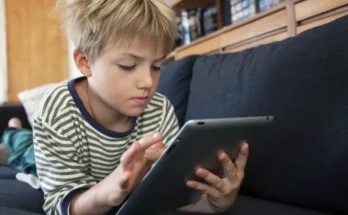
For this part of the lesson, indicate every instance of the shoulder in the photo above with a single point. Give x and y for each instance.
(157, 109)
(53, 102)
(161, 105)
(160, 102)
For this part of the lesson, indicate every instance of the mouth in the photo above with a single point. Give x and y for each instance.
(140, 100)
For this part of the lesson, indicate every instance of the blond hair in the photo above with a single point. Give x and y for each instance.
(93, 25)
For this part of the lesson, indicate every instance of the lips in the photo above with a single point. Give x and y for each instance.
(140, 100)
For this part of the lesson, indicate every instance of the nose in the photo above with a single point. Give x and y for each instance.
(145, 80)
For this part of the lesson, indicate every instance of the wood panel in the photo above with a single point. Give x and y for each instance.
(37, 49)
(207, 46)
(291, 19)
(262, 41)
(310, 8)
(261, 26)
(190, 4)
(320, 22)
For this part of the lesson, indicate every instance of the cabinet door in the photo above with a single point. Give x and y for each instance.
(36, 45)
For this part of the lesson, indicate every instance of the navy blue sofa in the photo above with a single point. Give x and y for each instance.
(301, 165)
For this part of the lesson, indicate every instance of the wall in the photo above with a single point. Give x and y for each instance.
(3, 54)
(36, 46)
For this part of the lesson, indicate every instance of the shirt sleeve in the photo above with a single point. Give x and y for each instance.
(60, 166)
(169, 127)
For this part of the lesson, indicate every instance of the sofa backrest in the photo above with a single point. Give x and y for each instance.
(303, 83)
(175, 82)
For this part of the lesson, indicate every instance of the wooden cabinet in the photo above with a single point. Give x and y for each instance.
(264, 25)
(310, 8)
(205, 46)
(36, 47)
(283, 21)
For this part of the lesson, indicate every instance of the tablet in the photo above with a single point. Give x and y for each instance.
(196, 144)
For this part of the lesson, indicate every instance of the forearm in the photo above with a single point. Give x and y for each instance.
(202, 206)
(89, 202)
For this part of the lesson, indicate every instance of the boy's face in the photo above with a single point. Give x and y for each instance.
(125, 77)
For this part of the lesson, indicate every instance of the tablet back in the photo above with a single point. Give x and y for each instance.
(196, 144)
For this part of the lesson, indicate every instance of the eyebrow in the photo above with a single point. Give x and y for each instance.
(141, 58)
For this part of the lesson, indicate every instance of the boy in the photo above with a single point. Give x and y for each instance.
(96, 137)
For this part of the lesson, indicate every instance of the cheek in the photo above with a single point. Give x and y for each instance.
(155, 78)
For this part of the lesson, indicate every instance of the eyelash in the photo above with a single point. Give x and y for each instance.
(130, 68)
(156, 68)
(127, 68)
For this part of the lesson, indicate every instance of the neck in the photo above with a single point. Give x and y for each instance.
(108, 117)
(104, 114)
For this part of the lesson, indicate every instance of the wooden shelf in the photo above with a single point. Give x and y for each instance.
(238, 24)
(190, 4)
(281, 22)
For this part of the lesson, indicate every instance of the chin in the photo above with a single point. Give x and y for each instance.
(135, 112)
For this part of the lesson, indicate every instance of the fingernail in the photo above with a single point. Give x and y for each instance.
(222, 156)
(200, 172)
(155, 136)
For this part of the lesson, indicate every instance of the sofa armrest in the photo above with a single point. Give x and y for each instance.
(9, 111)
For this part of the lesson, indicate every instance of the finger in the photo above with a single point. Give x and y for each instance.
(212, 179)
(129, 155)
(242, 160)
(150, 140)
(153, 154)
(158, 145)
(229, 168)
(209, 190)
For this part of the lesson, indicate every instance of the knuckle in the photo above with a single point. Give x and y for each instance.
(227, 192)
(231, 169)
(220, 184)
(233, 187)
(203, 188)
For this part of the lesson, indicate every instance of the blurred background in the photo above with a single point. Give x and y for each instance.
(35, 52)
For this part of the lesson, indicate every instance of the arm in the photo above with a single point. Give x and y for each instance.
(202, 206)
(62, 174)
(68, 187)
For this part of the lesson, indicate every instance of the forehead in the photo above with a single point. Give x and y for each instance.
(141, 45)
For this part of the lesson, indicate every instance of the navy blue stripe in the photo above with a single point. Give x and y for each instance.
(90, 119)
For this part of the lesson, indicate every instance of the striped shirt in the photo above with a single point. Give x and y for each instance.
(72, 150)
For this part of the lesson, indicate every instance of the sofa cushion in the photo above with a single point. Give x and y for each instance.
(19, 195)
(246, 205)
(6, 172)
(31, 99)
(14, 211)
(175, 84)
(303, 83)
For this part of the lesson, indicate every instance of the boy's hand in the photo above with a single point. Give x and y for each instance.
(134, 165)
(221, 192)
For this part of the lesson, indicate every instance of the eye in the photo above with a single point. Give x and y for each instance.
(127, 68)
(156, 68)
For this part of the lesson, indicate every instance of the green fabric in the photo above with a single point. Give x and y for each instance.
(19, 141)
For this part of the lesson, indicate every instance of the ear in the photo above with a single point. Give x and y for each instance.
(81, 62)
